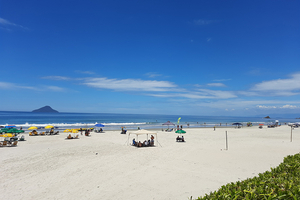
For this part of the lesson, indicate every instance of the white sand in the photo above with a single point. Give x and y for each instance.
(104, 167)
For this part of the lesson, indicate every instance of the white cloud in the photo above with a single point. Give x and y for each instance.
(222, 80)
(56, 78)
(217, 94)
(6, 85)
(55, 88)
(129, 84)
(279, 87)
(216, 85)
(287, 106)
(5, 22)
(152, 74)
(201, 22)
(265, 107)
(85, 72)
(12, 86)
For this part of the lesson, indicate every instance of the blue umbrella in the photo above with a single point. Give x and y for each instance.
(10, 126)
(99, 125)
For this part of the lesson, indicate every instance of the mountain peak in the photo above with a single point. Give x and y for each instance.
(45, 109)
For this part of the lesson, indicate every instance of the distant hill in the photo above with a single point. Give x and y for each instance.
(45, 109)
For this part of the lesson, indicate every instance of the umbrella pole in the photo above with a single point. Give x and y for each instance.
(291, 133)
(226, 142)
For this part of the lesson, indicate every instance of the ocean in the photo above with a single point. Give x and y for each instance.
(116, 121)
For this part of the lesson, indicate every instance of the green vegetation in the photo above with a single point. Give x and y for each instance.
(282, 182)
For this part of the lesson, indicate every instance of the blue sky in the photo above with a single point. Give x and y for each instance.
(194, 57)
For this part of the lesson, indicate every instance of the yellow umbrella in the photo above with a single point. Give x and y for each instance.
(7, 135)
(32, 128)
(49, 127)
(74, 131)
(68, 130)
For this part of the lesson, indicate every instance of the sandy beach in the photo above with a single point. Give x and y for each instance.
(103, 166)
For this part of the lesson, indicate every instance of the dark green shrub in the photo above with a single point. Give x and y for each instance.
(282, 182)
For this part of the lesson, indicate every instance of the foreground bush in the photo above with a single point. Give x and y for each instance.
(282, 182)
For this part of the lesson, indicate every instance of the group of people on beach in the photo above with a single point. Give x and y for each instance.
(146, 143)
(51, 132)
(180, 139)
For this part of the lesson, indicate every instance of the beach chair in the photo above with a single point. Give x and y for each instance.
(22, 138)
(30, 133)
(4, 143)
(14, 144)
(42, 133)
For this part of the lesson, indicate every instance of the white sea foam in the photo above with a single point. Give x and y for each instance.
(75, 124)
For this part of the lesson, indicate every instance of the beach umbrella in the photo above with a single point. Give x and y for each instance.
(168, 123)
(32, 128)
(49, 127)
(237, 124)
(180, 131)
(14, 130)
(7, 135)
(10, 126)
(99, 125)
(68, 131)
(4, 130)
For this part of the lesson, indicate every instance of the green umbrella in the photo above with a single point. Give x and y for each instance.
(4, 130)
(14, 130)
(180, 131)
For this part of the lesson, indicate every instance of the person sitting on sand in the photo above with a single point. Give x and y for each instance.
(182, 139)
(51, 131)
(69, 137)
(152, 142)
(101, 129)
(178, 138)
(139, 144)
(133, 142)
(145, 143)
